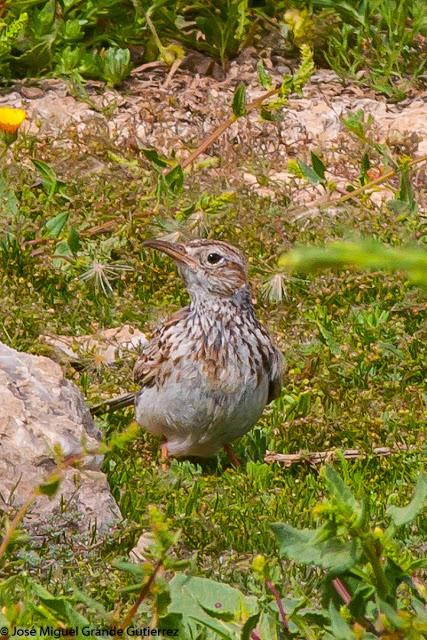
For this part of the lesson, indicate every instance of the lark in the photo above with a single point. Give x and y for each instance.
(211, 368)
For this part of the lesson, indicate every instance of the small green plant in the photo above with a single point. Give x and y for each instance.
(362, 255)
(380, 42)
(89, 39)
(95, 39)
(369, 587)
(220, 28)
(314, 174)
(9, 33)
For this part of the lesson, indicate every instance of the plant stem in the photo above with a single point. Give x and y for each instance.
(345, 596)
(216, 133)
(357, 192)
(154, 33)
(282, 614)
(19, 516)
(375, 562)
(342, 591)
(143, 594)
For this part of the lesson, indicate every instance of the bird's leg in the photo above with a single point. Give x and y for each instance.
(164, 455)
(232, 456)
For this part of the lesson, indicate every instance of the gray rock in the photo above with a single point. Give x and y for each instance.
(138, 554)
(40, 410)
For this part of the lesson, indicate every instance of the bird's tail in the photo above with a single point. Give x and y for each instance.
(108, 406)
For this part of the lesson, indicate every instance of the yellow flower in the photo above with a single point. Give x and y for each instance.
(11, 119)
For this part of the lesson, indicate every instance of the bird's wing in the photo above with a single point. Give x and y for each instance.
(275, 375)
(272, 363)
(146, 367)
(154, 357)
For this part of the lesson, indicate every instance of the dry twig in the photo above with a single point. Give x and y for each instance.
(334, 202)
(317, 457)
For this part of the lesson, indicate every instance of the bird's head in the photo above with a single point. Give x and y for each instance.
(209, 267)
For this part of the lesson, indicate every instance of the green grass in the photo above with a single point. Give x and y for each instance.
(379, 42)
(354, 346)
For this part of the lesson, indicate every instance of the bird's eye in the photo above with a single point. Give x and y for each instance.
(214, 258)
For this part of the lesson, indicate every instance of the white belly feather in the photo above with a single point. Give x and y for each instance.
(197, 419)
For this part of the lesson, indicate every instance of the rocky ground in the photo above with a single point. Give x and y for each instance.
(174, 114)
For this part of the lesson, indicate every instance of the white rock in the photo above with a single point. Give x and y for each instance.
(139, 553)
(41, 409)
(106, 346)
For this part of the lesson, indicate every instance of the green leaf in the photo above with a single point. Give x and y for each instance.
(122, 439)
(355, 123)
(121, 160)
(73, 30)
(339, 627)
(398, 206)
(89, 602)
(8, 200)
(404, 515)
(116, 65)
(308, 173)
(365, 165)
(364, 255)
(162, 188)
(420, 610)
(249, 626)
(175, 179)
(302, 546)
(129, 567)
(48, 175)
(302, 74)
(62, 255)
(12, 203)
(239, 101)
(155, 158)
(54, 226)
(242, 19)
(318, 166)
(69, 60)
(330, 341)
(211, 604)
(263, 77)
(59, 606)
(50, 488)
(342, 494)
(90, 64)
(73, 240)
(170, 183)
(392, 615)
(406, 192)
(270, 115)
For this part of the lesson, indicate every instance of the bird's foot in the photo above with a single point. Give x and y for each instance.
(164, 456)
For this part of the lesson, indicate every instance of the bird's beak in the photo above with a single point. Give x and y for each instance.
(175, 251)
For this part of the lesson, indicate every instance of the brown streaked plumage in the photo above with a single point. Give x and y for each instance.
(211, 368)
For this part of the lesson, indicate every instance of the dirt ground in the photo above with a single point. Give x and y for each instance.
(174, 114)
